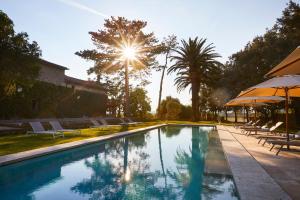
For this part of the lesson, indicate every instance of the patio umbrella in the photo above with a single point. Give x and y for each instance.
(286, 86)
(254, 101)
(289, 66)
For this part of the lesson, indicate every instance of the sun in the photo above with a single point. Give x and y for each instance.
(129, 53)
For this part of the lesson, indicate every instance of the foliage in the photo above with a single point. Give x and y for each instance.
(170, 109)
(186, 113)
(248, 66)
(48, 100)
(18, 58)
(118, 36)
(195, 64)
(139, 103)
(168, 44)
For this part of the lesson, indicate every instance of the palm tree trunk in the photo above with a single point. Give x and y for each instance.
(195, 99)
(161, 83)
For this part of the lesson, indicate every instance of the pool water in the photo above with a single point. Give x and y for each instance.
(163, 163)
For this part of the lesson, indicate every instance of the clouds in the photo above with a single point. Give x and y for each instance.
(82, 7)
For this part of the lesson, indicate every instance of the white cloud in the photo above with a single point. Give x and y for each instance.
(83, 7)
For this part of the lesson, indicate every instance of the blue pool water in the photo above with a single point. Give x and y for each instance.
(164, 163)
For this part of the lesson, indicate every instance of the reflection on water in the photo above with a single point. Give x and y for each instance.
(166, 163)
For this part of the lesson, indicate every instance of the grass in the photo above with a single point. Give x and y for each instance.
(13, 143)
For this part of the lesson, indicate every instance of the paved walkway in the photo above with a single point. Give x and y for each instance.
(259, 173)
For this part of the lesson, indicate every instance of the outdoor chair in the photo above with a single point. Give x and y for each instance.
(251, 126)
(57, 127)
(244, 125)
(96, 124)
(130, 122)
(103, 121)
(37, 128)
(282, 143)
(265, 129)
(277, 137)
(248, 130)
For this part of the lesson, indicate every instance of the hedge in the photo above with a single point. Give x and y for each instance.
(48, 100)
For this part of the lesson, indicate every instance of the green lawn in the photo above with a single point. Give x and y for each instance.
(13, 143)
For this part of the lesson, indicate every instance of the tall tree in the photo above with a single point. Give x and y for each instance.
(18, 58)
(248, 66)
(121, 44)
(194, 63)
(168, 44)
(140, 103)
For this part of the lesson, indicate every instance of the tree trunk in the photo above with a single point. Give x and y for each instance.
(235, 116)
(195, 99)
(161, 83)
(127, 103)
(226, 115)
(161, 158)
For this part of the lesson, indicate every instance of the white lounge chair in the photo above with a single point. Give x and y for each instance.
(283, 143)
(266, 130)
(37, 128)
(277, 137)
(130, 122)
(57, 127)
(103, 125)
(96, 124)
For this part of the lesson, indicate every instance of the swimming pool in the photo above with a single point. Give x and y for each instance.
(171, 162)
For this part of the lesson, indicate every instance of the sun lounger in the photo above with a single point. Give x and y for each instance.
(265, 130)
(244, 125)
(253, 125)
(277, 137)
(130, 122)
(57, 127)
(248, 130)
(37, 128)
(133, 122)
(96, 124)
(283, 143)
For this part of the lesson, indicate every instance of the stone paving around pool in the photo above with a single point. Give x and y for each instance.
(258, 172)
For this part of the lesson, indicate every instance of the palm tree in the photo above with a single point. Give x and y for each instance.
(193, 63)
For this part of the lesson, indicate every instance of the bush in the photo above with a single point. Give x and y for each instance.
(48, 100)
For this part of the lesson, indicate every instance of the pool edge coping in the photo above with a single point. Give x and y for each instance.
(34, 153)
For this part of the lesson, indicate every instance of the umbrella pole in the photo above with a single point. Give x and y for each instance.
(287, 115)
(244, 114)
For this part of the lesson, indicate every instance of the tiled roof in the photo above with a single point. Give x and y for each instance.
(45, 62)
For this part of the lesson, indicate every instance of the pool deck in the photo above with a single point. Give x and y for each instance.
(17, 157)
(258, 172)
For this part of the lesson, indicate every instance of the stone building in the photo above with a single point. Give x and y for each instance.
(88, 90)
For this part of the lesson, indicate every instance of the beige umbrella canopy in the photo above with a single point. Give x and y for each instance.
(287, 86)
(254, 101)
(289, 66)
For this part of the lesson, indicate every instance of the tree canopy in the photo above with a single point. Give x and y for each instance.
(18, 58)
(248, 66)
(195, 65)
(118, 34)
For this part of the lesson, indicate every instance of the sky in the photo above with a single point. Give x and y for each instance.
(61, 27)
